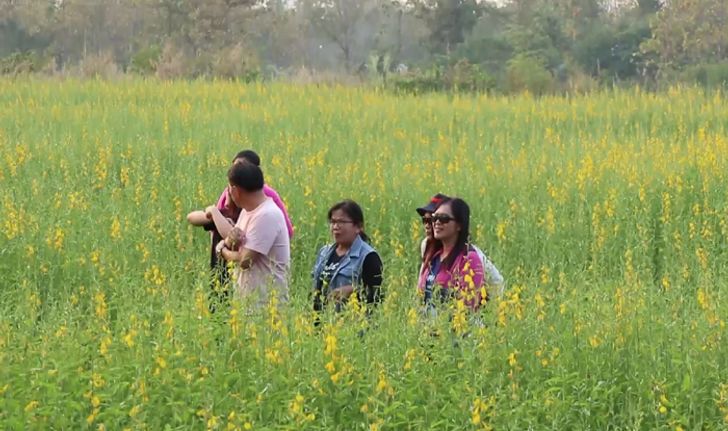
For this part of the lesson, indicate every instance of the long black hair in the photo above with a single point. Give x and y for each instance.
(355, 213)
(461, 214)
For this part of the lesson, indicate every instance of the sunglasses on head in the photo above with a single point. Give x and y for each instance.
(442, 218)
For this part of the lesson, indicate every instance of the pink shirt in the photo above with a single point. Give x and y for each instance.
(264, 231)
(466, 278)
(268, 191)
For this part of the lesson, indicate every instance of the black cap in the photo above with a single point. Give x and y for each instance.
(431, 206)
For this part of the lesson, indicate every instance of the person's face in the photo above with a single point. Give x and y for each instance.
(444, 226)
(237, 194)
(230, 202)
(427, 224)
(343, 228)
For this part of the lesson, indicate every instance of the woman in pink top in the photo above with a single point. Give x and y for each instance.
(452, 268)
(250, 156)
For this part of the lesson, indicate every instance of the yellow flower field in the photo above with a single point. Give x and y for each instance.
(607, 214)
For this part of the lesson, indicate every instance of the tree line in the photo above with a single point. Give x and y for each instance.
(413, 45)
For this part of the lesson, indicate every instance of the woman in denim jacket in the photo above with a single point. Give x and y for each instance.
(348, 266)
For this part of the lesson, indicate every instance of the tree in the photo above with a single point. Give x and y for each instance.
(352, 25)
(688, 32)
(488, 44)
(219, 23)
(449, 22)
(541, 37)
(611, 50)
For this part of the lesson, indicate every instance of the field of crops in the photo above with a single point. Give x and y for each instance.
(607, 214)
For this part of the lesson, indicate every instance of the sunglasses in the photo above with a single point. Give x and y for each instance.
(442, 218)
(426, 220)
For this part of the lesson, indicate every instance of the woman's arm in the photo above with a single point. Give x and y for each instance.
(372, 278)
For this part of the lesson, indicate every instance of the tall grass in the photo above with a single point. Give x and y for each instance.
(607, 214)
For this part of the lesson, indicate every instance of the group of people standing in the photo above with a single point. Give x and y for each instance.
(251, 235)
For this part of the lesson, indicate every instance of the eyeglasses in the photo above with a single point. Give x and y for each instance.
(426, 220)
(442, 218)
(335, 222)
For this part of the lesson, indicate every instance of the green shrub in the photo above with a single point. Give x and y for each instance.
(145, 61)
(526, 73)
(21, 63)
(459, 77)
(710, 75)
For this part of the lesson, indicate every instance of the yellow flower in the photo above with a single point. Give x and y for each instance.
(594, 341)
(382, 384)
(212, 423)
(273, 356)
(135, 411)
(104, 346)
(100, 301)
(115, 229)
(512, 360)
(330, 345)
(459, 320)
(92, 417)
(129, 338)
(412, 317)
(57, 240)
(97, 381)
(31, 406)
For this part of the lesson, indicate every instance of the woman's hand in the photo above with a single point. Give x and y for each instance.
(341, 293)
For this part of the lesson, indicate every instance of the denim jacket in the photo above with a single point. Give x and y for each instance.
(350, 267)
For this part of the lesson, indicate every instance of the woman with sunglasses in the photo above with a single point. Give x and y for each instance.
(451, 267)
(348, 266)
(493, 279)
